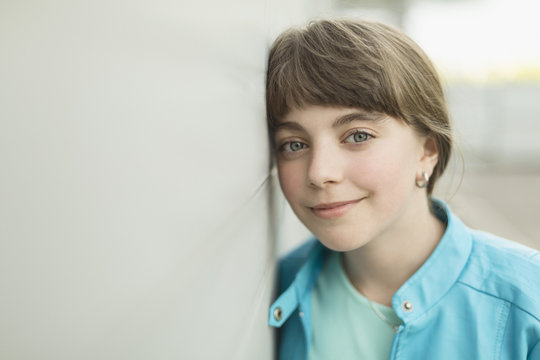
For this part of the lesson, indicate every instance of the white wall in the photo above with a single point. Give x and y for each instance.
(134, 201)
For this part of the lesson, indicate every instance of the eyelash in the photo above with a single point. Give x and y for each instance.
(355, 132)
(282, 147)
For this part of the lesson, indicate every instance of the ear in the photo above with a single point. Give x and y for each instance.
(429, 156)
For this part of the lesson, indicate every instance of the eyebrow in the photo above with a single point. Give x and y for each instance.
(291, 125)
(340, 121)
(358, 115)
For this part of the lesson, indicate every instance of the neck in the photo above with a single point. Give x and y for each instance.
(378, 269)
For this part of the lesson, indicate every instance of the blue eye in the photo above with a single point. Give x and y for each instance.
(358, 137)
(293, 146)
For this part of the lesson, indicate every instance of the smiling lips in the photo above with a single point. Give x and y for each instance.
(333, 210)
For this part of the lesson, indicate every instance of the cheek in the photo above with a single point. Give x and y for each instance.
(391, 172)
(290, 179)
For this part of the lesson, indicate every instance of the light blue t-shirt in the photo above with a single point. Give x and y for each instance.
(344, 323)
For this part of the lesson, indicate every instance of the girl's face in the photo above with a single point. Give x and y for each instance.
(349, 175)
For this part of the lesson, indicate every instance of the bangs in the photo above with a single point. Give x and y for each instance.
(300, 73)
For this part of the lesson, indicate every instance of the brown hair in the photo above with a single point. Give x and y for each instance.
(358, 64)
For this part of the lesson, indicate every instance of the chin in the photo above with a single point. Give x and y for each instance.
(340, 244)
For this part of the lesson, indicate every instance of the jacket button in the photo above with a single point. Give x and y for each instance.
(407, 306)
(278, 313)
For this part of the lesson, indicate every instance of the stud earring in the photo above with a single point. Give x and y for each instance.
(423, 183)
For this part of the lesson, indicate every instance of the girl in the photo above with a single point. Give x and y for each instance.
(361, 134)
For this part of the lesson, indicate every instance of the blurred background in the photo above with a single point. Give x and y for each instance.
(138, 215)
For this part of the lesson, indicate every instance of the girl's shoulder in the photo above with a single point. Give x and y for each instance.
(504, 269)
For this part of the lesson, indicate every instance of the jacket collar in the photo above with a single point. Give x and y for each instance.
(301, 287)
(440, 271)
(418, 294)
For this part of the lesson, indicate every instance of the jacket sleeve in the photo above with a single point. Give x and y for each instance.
(534, 354)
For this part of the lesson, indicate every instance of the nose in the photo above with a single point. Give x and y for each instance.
(325, 167)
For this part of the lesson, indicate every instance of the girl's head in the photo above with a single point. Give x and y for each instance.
(358, 64)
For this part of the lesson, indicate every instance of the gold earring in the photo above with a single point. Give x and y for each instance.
(423, 183)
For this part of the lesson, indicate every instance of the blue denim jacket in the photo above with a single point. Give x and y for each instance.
(476, 297)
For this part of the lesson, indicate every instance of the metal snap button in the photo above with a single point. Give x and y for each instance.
(278, 313)
(407, 306)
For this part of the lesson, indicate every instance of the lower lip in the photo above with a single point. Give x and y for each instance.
(334, 212)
